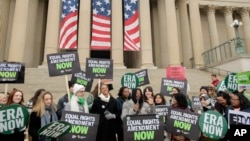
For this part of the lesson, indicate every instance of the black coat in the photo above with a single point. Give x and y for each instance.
(34, 126)
(107, 128)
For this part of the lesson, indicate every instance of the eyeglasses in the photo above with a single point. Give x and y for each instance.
(81, 91)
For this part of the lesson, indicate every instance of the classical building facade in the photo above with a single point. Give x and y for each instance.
(172, 32)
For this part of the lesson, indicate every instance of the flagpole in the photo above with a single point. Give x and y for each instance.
(6, 89)
(67, 86)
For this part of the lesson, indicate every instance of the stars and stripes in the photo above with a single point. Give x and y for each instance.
(101, 35)
(131, 26)
(68, 24)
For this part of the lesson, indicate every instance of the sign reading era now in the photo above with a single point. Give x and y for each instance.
(13, 117)
(129, 80)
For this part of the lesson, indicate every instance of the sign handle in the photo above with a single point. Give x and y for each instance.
(99, 85)
(6, 89)
(67, 87)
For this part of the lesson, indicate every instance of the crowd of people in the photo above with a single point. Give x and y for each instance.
(112, 111)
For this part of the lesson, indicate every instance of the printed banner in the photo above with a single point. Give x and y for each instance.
(80, 78)
(176, 73)
(182, 122)
(213, 124)
(13, 117)
(221, 86)
(196, 104)
(12, 72)
(83, 126)
(143, 128)
(142, 77)
(54, 129)
(99, 68)
(130, 80)
(63, 63)
(162, 110)
(238, 118)
(167, 85)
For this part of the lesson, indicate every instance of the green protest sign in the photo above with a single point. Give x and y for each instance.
(231, 82)
(13, 117)
(221, 86)
(142, 77)
(243, 79)
(55, 129)
(130, 80)
(213, 124)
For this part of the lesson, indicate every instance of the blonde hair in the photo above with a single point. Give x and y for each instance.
(39, 107)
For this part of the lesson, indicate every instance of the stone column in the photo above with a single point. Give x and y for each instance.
(84, 27)
(117, 34)
(185, 34)
(163, 33)
(4, 18)
(156, 35)
(52, 29)
(19, 31)
(172, 34)
(145, 34)
(213, 31)
(228, 11)
(246, 27)
(212, 26)
(196, 32)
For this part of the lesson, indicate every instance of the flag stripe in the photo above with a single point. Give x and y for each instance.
(131, 26)
(69, 24)
(101, 25)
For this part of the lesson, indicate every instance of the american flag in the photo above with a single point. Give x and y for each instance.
(131, 26)
(101, 38)
(68, 25)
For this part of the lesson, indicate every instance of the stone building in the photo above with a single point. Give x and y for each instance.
(172, 32)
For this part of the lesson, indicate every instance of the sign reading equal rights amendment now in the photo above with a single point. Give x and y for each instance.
(12, 72)
(63, 63)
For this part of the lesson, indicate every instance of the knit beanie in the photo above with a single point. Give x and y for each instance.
(77, 87)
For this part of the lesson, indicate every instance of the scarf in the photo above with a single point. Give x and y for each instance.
(103, 98)
(48, 117)
(78, 104)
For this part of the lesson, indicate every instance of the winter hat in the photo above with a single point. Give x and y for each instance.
(77, 87)
(206, 98)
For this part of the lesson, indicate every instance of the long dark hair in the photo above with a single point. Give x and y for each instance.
(244, 102)
(162, 97)
(224, 95)
(149, 88)
(120, 93)
(181, 100)
(36, 95)
(140, 101)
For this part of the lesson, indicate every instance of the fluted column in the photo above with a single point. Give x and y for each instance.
(84, 30)
(212, 26)
(228, 13)
(246, 26)
(163, 33)
(19, 31)
(185, 34)
(145, 34)
(52, 29)
(4, 17)
(117, 34)
(172, 34)
(196, 32)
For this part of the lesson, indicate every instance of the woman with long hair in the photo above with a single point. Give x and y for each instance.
(43, 113)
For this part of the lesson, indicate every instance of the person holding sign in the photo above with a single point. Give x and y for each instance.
(136, 105)
(179, 101)
(106, 106)
(78, 101)
(16, 97)
(43, 113)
